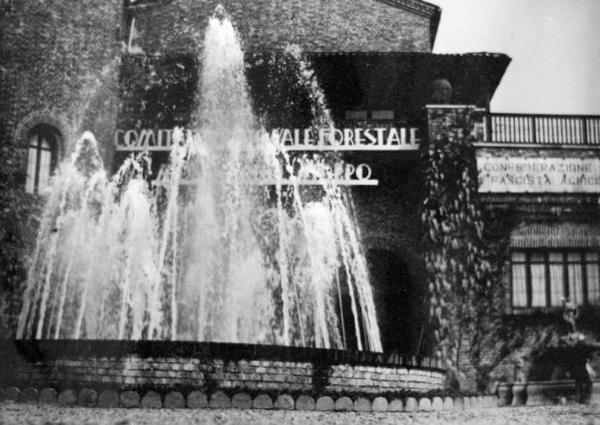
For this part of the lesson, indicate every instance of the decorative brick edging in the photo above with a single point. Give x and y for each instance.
(132, 374)
(219, 400)
(210, 367)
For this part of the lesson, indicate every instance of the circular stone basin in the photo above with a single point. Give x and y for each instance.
(164, 366)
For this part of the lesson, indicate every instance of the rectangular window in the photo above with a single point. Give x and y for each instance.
(575, 271)
(557, 278)
(519, 279)
(45, 167)
(31, 169)
(592, 271)
(538, 280)
(543, 278)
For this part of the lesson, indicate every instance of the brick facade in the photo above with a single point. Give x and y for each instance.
(59, 70)
(316, 26)
(63, 71)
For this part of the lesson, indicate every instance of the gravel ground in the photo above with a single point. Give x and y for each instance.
(43, 415)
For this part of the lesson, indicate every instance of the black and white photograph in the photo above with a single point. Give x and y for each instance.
(247, 212)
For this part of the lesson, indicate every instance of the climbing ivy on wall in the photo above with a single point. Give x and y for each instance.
(18, 223)
(457, 262)
(56, 66)
(162, 92)
(157, 92)
(279, 89)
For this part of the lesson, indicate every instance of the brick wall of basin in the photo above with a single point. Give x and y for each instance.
(207, 368)
(264, 375)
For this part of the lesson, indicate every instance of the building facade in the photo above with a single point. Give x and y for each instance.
(498, 212)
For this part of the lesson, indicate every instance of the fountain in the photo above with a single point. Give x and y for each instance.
(231, 257)
(226, 259)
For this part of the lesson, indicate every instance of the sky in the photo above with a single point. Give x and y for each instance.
(554, 46)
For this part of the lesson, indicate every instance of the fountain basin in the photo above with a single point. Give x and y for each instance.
(186, 367)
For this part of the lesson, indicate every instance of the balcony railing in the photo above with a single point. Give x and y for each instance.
(583, 130)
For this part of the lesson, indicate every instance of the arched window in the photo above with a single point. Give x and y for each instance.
(43, 146)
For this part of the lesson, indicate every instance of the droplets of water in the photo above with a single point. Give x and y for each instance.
(244, 254)
(93, 272)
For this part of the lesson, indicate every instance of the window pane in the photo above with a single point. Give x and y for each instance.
(44, 144)
(537, 257)
(45, 163)
(518, 256)
(557, 291)
(576, 283)
(538, 285)
(573, 257)
(556, 257)
(593, 278)
(519, 285)
(31, 163)
(33, 141)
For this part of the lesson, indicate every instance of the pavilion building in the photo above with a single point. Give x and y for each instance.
(122, 67)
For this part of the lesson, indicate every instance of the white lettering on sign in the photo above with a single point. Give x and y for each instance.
(538, 175)
(290, 140)
(325, 139)
(347, 139)
(343, 174)
(146, 139)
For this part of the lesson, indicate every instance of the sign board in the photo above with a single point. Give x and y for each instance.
(347, 139)
(325, 139)
(538, 175)
(330, 139)
(342, 174)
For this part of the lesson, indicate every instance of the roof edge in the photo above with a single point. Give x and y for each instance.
(418, 6)
(422, 8)
(434, 25)
(495, 55)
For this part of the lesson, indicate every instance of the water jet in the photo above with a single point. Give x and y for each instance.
(224, 284)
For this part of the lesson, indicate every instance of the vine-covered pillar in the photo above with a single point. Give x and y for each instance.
(456, 258)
